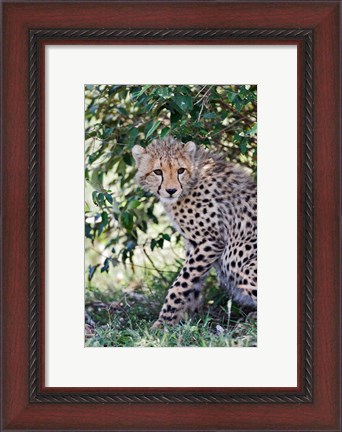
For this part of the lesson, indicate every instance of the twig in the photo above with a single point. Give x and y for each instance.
(136, 265)
(175, 253)
(226, 128)
(205, 94)
(200, 91)
(200, 113)
(231, 108)
(155, 268)
(204, 100)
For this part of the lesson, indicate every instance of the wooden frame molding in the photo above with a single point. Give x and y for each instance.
(38, 38)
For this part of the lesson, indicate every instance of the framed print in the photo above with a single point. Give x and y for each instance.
(223, 116)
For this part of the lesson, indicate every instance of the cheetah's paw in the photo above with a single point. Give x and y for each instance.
(157, 325)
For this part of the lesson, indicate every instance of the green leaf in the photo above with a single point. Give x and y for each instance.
(147, 126)
(243, 91)
(184, 102)
(164, 132)
(134, 204)
(105, 266)
(237, 138)
(96, 179)
(100, 199)
(127, 220)
(91, 134)
(109, 198)
(94, 156)
(104, 217)
(121, 167)
(253, 130)
(239, 104)
(231, 95)
(209, 115)
(91, 271)
(153, 128)
(143, 90)
(107, 132)
(99, 228)
(132, 136)
(163, 91)
(175, 117)
(153, 244)
(243, 145)
(94, 194)
(128, 159)
(87, 231)
(130, 245)
(166, 237)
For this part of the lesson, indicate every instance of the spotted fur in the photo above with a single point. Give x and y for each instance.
(213, 204)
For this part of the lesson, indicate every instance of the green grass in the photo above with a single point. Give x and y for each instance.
(190, 334)
(127, 321)
(122, 305)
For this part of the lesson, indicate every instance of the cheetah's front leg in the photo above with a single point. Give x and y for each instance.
(185, 291)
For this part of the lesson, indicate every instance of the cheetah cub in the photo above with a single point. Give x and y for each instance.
(213, 205)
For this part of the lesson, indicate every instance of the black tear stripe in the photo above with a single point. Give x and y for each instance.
(161, 183)
(180, 184)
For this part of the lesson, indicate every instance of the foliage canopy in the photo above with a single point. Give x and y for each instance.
(117, 213)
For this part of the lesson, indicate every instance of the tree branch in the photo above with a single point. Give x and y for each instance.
(231, 108)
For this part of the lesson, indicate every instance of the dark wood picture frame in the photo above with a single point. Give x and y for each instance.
(27, 403)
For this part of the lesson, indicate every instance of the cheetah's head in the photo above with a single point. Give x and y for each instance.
(165, 168)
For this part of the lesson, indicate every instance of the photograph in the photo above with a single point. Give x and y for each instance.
(170, 215)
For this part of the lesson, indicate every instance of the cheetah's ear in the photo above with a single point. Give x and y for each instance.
(190, 148)
(138, 152)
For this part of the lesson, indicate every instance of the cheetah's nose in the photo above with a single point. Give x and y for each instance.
(171, 191)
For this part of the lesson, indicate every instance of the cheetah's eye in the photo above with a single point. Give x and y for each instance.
(158, 172)
(181, 170)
